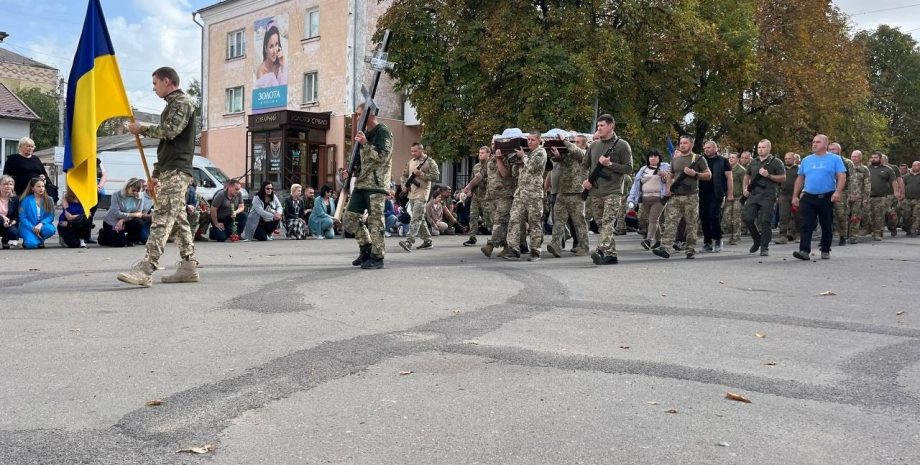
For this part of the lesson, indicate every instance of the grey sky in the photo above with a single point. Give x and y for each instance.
(908, 19)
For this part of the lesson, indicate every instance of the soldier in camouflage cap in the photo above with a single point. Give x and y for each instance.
(528, 198)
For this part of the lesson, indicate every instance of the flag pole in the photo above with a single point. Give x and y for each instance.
(137, 139)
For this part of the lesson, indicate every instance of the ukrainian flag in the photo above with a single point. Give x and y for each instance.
(95, 93)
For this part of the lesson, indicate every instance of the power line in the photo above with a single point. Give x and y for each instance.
(885, 9)
(174, 31)
(67, 60)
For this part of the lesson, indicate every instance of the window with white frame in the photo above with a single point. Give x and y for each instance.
(311, 24)
(310, 91)
(236, 44)
(234, 100)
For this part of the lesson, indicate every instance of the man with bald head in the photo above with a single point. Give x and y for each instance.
(859, 186)
(819, 185)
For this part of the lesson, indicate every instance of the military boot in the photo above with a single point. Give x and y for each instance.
(141, 274)
(487, 249)
(365, 254)
(554, 249)
(187, 272)
(372, 263)
(504, 253)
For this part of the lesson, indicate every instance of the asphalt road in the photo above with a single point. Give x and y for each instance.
(285, 354)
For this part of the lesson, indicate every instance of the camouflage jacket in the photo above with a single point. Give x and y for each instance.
(573, 171)
(481, 190)
(859, 183)
(176, 132)
(529, 174)
(376, 160)
(851, 187)
(498, 186)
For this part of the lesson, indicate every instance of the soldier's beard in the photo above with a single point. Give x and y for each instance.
(875, 163)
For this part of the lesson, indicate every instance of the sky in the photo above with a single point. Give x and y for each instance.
(147, 34)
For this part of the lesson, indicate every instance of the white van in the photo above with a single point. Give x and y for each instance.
(123, 165)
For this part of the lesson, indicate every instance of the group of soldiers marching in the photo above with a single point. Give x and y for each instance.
(596, 181)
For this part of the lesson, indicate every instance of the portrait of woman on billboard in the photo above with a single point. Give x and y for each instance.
(272, 71)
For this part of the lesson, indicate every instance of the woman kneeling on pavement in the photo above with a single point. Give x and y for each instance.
(36, 215)
(74, 228)
(9, 213)
(264, 216)
(322, 221)
(123, 223)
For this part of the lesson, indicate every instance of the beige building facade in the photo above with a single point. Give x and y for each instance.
(280, 82)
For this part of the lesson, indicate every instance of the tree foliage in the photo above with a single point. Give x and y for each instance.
(894, 79)
(734, 71)
(45, 104)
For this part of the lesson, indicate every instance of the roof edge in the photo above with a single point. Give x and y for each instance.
(34, 117)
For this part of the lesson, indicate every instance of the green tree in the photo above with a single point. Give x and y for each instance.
(194, 91)
(45, 105)
(894, 79)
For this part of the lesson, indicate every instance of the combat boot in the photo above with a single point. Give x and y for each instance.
(504, 253)
(554, 249)
(406, 246)
(187, 272)
(470, 242)
(487, 249)
(141, 274)
(524, 248)
(372, 263)
(365, 254)
(597, 257)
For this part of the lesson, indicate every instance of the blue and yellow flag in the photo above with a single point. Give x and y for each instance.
(95, 93)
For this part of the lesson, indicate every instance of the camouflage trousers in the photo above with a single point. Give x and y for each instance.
(894, 213)
(789, 223)
(911, 209)
(478, 207)
(372, 232)
(732, 221)
(528, 210)
(686, 207)
(418, 225)
(606, 210)
(878, 209)
(501, 215)
(858, 219)
(169, 213)
(570, 206)
(842, 216)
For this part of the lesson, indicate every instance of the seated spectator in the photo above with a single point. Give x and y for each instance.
(227, 216)
(264, 216)
(405, 220)
(9, 213)
(321, 221)
(389, 213)
(123, 223)
(74, 228)
(36, 215)
(434, 212)
(295, 227)
(147, 206)
(191, 212)
(203, 213)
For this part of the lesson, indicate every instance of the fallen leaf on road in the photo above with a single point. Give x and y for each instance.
(664, 295)
(652, 403)
(161, 267)
(34, 269)
(721, 282)
(624, 347)
(671, 410)
(826, 293)
(737, 397)
(901, 312)
(75, 330)
(404, 373)
(199, 450)
(758, 335)
(770, 364)
(456, 310)
(154, 402)
(722, 444)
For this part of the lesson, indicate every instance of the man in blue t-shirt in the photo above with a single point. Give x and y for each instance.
(822, 177)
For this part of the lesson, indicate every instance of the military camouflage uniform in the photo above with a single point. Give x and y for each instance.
(893, 214)
(789, 224)
(500, 192)
(528, 201)
(569, 204)
(174, 171)
(371, 188)
(732, 222)
(859, 185)
(417, 201)
(479, 204)
(879, 204)
(684, 204)
(842, 207)
(605, 200)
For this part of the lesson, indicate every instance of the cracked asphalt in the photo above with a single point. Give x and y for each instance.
(285, 354)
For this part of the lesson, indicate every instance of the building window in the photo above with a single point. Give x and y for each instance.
(234, 100)
(310, 92)
(236, 44)
(311, 24)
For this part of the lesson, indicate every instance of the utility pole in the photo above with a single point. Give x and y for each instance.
(61, 103)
